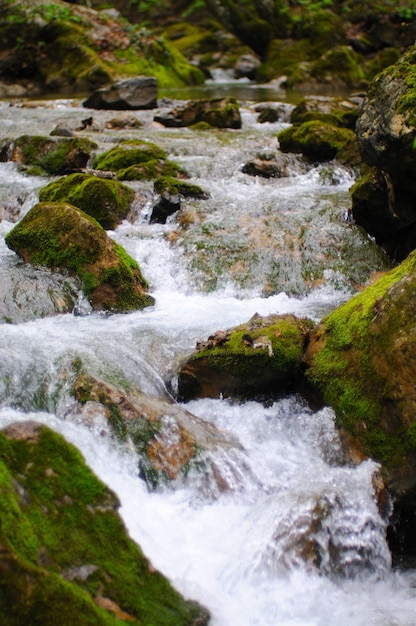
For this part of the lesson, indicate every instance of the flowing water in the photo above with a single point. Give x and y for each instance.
(297, 539)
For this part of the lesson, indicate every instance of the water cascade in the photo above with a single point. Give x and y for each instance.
(296, 538)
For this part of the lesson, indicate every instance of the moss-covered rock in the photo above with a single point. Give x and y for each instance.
(337, 111)
(263, 356)
(361, 359)
(153, 168)
(59, 235)
(317, 140)
(217, 112)
(138, 160)
(386, 133)
(173, 186)
(107, 201)
(66, 556)
(127, 154)
(62, 47)
(341, 65)
(46, 155)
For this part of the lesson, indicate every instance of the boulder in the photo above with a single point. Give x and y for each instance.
(130, 94)
(46, 155)
(59, 235)
(384, 202)
(360, 359)
(318, 140)
(261, 357)
(66, 556)
(218, 112)
(267, 165)
(107, 201)
(170, 440)
(334, 110)
(171, 190)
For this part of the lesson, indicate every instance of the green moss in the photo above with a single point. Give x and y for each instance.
(151, 169)
(107, 201)
(282, 352)
(342, 62)
(347, 369)
(174, 186)
(56, 517)
(318, 140)
(53, 156)
(127, 155)
(60, 235)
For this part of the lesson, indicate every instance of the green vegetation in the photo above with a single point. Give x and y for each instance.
(107, 201)
(249, 350)
(318, 140)
(59, 235)
(173, 186)
(53, 156)
(127, 154)
(66, 556)
(352, 368)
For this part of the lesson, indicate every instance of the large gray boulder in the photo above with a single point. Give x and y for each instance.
(131, 94)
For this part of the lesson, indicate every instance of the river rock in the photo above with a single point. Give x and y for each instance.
(384, 201)
(218, 112)
(47, 155)
(130, 94)
(99, 578)
(59, 235)
(360, 358)
(169, 439)
(263, 356)
(267, 165)
(319, 141)
(171, 190)
(28, 293)
(137, 160)
(107, 201)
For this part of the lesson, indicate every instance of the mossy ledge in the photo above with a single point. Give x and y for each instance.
(59, 235)
(360, 360)
(66, 557)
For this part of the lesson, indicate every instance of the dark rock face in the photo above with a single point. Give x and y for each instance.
(131, 94)
(384, 203)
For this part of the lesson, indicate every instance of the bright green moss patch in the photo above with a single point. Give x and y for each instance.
(107, 201)
(173, 186)
(361, 366)
(151, 169)
(315, 139)
(128, 154)
(64, 547)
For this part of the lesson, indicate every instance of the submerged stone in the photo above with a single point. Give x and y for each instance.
(169, 439)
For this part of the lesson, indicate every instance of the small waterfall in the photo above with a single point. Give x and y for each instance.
(291, 535)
